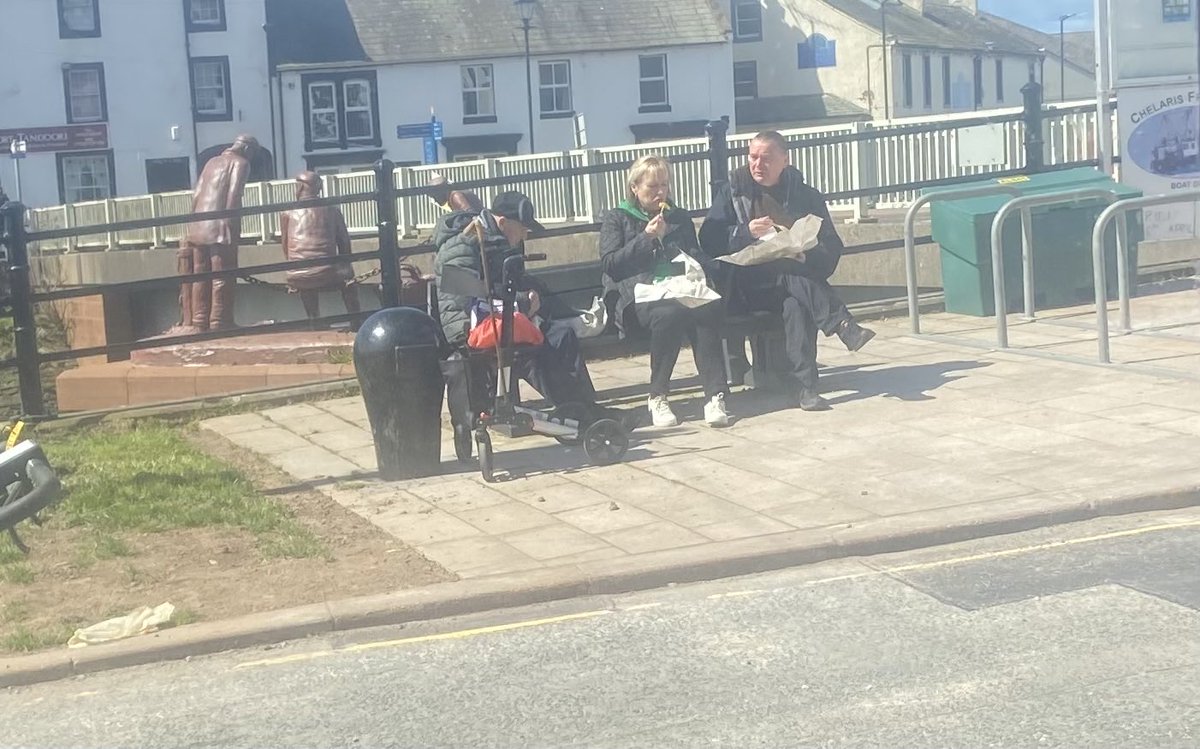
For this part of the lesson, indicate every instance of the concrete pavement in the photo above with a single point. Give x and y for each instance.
(932, 440)
(925, 436)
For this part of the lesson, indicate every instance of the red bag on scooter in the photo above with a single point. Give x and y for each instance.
(487, 334)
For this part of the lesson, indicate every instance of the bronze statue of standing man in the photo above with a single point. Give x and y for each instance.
(212, 244)
(317, 232)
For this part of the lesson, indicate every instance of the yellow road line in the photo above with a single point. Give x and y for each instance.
(457, 635)
(465, 633)
(1008, 552)
(1043, 546)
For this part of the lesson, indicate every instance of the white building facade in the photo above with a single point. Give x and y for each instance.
(124, 97)
(880, 62)
(360, 80)
(343, 118)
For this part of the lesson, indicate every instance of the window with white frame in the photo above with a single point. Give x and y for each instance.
(999, 80)
(478, 93)
(947, 85)
(927, 80)
(652, 80)
(745, 80)
(480, 156)
(554, 87)
(206, 15)
(85, 176)
(906, 79)
(747, 21)
(323, 112)
(210, 88)
(78, 18)
(360, 119)
(84, 86)
(341, 110)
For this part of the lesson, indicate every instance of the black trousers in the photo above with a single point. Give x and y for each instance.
(670, 323)
(556, 369)
(808, 305)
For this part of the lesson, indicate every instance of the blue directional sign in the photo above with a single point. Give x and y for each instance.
(432, 129)
(417, 130)
(431, 151)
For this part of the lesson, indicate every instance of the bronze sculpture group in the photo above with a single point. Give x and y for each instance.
(307, 233)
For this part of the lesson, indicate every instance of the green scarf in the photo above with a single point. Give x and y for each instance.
(663, 268)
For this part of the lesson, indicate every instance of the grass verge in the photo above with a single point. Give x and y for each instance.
(124, 480)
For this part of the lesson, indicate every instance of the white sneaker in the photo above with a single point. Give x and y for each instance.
(661, 414)
(715, 414)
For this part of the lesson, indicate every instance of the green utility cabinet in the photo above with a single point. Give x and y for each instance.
(1062, 243)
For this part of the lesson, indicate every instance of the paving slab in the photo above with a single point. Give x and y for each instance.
(933, 433)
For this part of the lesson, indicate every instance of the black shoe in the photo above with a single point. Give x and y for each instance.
(853, 335)
(811, 400)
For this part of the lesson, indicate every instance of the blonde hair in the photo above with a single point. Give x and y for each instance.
(650, 163)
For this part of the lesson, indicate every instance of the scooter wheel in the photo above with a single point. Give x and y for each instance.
(605, 442)
(575, 412)
(483, 441)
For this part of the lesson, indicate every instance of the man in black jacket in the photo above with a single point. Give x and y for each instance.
(767, 193)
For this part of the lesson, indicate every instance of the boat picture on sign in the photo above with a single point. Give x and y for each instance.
(1164, 140)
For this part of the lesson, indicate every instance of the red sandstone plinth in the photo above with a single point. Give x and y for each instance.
(209, 368)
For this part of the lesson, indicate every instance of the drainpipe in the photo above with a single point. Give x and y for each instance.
(187, 51)
(271, 100)
(282, 125)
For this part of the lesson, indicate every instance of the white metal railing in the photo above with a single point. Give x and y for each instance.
(843, 158)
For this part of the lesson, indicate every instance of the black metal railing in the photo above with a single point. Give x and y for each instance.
(20, 305)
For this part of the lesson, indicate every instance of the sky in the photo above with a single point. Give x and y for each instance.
(1043, 14)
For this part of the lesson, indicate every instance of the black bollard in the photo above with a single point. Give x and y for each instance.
(396, 353)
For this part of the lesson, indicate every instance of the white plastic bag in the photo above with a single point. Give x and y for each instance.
(140, 621)
(588, 323)
(691, 289)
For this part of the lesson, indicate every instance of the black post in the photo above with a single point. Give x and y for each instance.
(385, 207)
(718, 154)
(528, 82)
(1062, 58)
(1035, 144)
(29, 370)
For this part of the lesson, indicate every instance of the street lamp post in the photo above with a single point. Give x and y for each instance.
(887, 96)
(526, 9)
(1062, 55)
(17, 148)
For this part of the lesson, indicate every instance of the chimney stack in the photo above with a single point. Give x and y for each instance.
(971, 6)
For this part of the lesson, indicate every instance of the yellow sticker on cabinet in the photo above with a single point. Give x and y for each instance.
(14, 435)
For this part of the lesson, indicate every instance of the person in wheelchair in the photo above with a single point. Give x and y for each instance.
(555, 367)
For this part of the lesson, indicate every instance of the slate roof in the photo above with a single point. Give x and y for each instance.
(1080, 45)
(942, 27)
(784, 110)
(382, 31)
(311, 31)
(1081, 49)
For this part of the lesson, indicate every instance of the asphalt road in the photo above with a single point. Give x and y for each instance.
(1079, 636)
